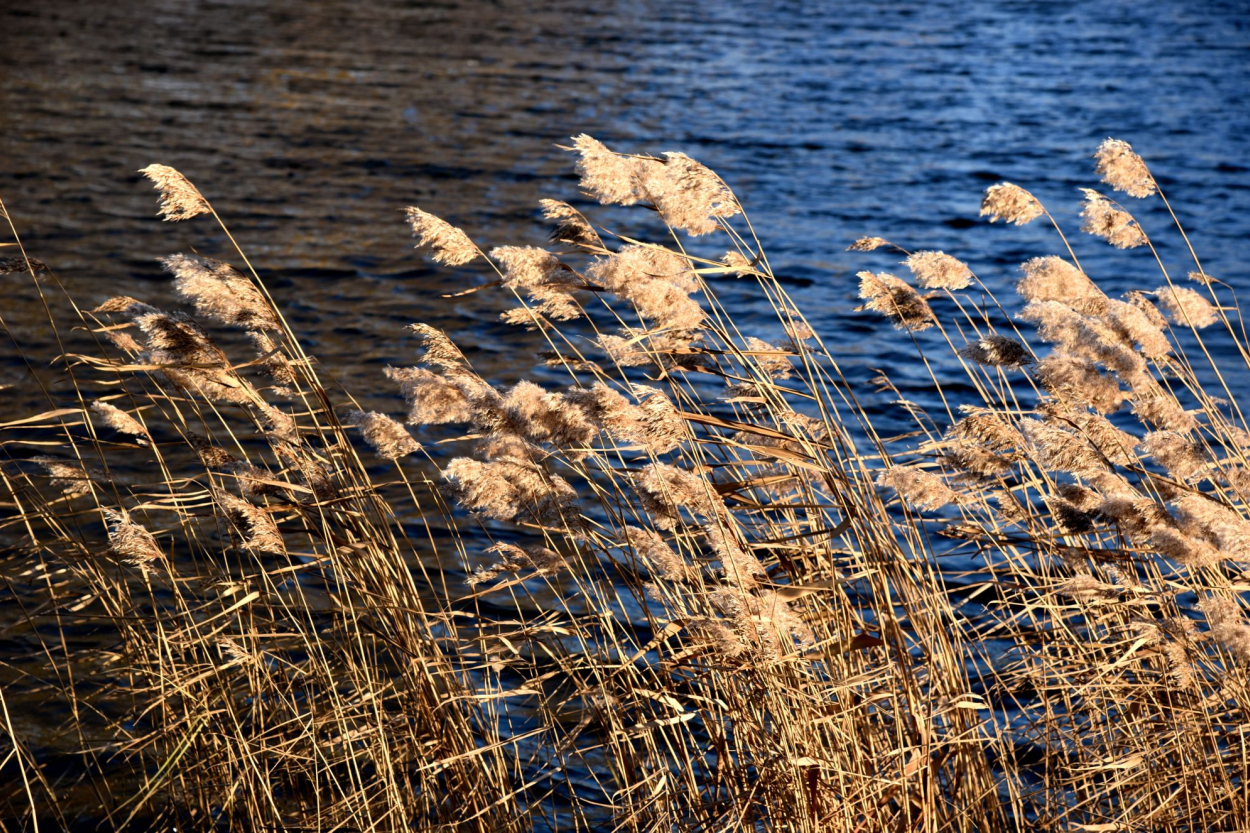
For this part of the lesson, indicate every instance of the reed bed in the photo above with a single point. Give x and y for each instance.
(689, 587)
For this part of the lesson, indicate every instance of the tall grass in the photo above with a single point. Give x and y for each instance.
(692, 587)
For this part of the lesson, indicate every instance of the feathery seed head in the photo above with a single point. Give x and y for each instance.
(386, 436)
(1085, 586)
(1138, 322)
(652, 550)
(120, 421)
(1054, 279)
(765, 623)
(546, 281)
(440, 351)
(1183, 549)
(938, 270)
(1228, 624)
(1070, 519)
(1011, 204)
(1183, 458)
(269, 352)
(1101, 218)
(988, 429)
(514, 559)
(1083, 498)
(256, 526)
(13, 265)
(544, 417)
(1185, 307)
(738, 565)
(1123, 169)
(506, 489)
(1116, 445)
(662, 427)
(1090, 337)
(658, 282)
(448, 245)
(1204, 515)
(220, 292)
(571, 226)
(175, 338)
(972, 459)
(665, 489)
(625, 352)
(611, 178)
(896, 300)
(131, 542)
(126, 305)
(212, 379)
(738, 262)
(1154, 405)
(994, 350)
(212, 456)
(313, 471)
(1059, 449)
(503, 446)
(235, 654)
(689, 195)
(798, 332)
(124, 341)
(1078, 380)
(179, 200)
(527, 266)
(867, 244)
(653, 424)
(432, 399)
(922, 489)
(767, 357)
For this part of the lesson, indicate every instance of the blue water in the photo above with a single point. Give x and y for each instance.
(311, 125)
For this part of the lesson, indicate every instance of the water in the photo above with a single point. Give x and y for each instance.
(311, 125)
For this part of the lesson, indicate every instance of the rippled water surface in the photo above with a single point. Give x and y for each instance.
(311, 125)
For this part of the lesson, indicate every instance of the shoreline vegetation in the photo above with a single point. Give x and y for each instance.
(691, 588)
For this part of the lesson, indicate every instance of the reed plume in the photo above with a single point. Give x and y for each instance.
(867, 244)
(220, 292)
(386, 436)
(179, 199)
(687, 194)
(1185, 307)
(131, 542)
(1102, 218)
(896, 300)
(1011, 204)
(996, 350)
(1055, 279)
(120, 421)
(938, 270)
(448, 245)
(1122, 169)
(572, 227)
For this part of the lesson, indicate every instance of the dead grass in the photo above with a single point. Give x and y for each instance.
(712, 597)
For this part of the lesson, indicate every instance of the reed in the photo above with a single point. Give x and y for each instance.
(689, 587)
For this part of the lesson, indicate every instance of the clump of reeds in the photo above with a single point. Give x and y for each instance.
(691, 587)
